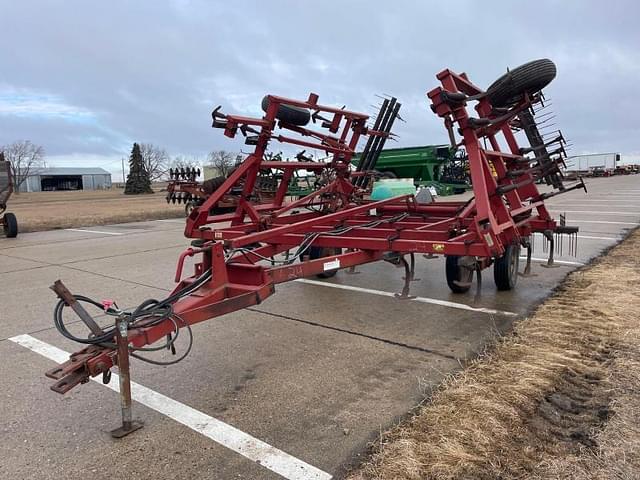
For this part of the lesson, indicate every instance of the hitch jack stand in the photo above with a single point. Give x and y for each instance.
(128, 425)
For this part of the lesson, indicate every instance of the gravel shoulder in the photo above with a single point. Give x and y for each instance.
(558, 398)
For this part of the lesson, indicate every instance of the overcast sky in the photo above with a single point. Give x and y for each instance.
(85, 79)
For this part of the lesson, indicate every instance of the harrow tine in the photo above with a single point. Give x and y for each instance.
(548, 134)
(539, 109)
(548, 119)
(547, 126)
(542, 115)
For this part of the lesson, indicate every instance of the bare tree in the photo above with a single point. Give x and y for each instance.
(156, 160)
(222, 161)
(25, 158)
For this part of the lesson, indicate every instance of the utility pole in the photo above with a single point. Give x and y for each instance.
(123, 178)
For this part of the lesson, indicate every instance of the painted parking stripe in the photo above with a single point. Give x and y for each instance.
(102, 232)
(559, 262)
(260, 452)
(607, 195)
(588, 237)
(616, 203)
(636, 214)
(602, 221)
(443, 303)
(585, 204)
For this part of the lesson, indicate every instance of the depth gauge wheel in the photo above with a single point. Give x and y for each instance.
(459, 277)
(188, 208)
(10, 224)
(528, 78)
(289, 114)
(505, 268)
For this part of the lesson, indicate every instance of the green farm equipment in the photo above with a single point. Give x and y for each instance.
(437, 166)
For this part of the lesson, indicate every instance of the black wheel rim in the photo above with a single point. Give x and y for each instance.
(465, 275)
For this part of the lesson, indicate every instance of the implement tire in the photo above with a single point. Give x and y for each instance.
(211, 185)
(319, 252)
(456, 273)
(528, 78)
(505, 268)
(289, 114)
(10, 224)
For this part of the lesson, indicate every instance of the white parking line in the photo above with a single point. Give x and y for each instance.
(260, 452)
(602, 221)
(587, 237)
(93, 231)
(443, 303)
(633, 214)
(171, 221)
(559, 262)
(592, 200)
(616, 204)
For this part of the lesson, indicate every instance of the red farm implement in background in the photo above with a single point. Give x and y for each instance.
(242, 255)
(7, 220)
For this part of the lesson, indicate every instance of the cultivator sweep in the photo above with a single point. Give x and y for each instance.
(243, 254)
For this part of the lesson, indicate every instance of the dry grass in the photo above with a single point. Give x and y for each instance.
(559, 398)
(49, 210)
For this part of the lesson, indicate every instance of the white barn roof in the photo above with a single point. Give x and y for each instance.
(70, 171)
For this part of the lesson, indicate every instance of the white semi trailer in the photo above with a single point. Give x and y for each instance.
(606, 162)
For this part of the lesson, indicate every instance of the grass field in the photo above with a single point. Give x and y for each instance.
(557, 399)
(50, 210)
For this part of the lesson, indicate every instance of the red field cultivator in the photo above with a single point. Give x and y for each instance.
(243, 254)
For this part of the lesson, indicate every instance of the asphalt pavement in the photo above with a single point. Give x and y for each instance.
(295, 387)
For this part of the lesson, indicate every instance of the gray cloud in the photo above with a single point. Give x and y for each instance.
(91, 77)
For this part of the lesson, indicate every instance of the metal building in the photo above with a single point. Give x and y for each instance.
(66, 178)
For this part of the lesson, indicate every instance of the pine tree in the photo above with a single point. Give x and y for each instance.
(138, 180)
